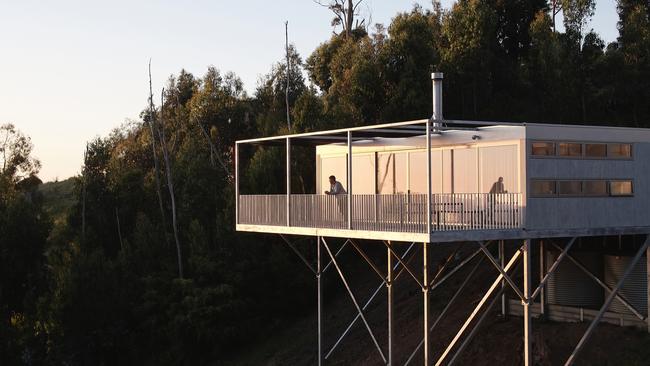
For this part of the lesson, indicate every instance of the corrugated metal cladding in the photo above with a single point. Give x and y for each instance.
(634, 289)
(570, 286)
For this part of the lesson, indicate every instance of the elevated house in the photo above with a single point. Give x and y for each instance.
(436, 181)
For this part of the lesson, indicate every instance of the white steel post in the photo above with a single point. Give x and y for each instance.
(542, 273)
(236, 183)
(349, 180)
(320, 300)
(288, 182)
(389, 291)
(428, 130)
(502, 261)
(528, 355)
(425, 291)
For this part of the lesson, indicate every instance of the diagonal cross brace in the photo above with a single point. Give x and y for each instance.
(368, 260)
(572, 358)
(503, 273)
(311, 268)
(542, 283)
(447, 307)
(354, 299)
(370, 299)
(478, 307)
(601, 283)
(406, 267)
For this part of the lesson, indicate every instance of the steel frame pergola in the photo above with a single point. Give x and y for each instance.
(400, 263)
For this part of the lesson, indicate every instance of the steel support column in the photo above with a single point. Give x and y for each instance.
(288, 182)
(349, 180)
(425, 293)
(236, 183)
(502, 262)
(528, 355)
(542, 270)
(389, 293)
(320, 301)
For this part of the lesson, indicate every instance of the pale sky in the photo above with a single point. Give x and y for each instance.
(73, 70)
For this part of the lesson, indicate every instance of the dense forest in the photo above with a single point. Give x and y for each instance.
(141, 263)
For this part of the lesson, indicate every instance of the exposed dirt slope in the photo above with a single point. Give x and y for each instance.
(498, 342)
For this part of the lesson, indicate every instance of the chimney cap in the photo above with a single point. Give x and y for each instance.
(436, 76)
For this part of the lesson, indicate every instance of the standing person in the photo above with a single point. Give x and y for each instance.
(335, 186)
(336, 189)
(497, 188)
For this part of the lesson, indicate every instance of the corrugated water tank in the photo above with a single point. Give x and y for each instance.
(569, 285)
(634, 289)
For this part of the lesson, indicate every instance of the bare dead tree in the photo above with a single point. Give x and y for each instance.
(152, 123)
(345, 12)
(288, 72)
(83, 195)
(170, 182)
(214, 152)
(556, 7)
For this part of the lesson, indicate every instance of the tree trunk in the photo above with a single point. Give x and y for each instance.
(152, 127)
(170, 186)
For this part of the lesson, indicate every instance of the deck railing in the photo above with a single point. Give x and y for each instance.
(385, 212)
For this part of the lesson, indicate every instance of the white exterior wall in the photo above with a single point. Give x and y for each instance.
(589, 212)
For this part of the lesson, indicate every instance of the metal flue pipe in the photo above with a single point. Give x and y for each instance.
(436, 78)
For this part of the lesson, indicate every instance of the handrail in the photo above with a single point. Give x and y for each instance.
(385, 212)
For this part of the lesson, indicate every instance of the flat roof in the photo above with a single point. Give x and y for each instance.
(400, 130)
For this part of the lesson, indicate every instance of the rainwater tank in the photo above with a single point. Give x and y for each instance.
(634, 289)
(569, 285)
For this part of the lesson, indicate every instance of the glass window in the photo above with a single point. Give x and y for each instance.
(418, 171)
(621, 188)
(401, 172)
(385, 173)
(619, 150)
(569, 187)
(594, 188)
(569, 149)
(596, 150)
(543, 149)
(363, 172)
(541, 188)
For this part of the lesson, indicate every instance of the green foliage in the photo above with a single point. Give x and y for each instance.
(111, 296)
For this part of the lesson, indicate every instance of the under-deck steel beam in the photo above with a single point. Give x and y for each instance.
(608, 302)
(354, 299)
(478, 307)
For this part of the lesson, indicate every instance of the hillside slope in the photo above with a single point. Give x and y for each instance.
(498, 342)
